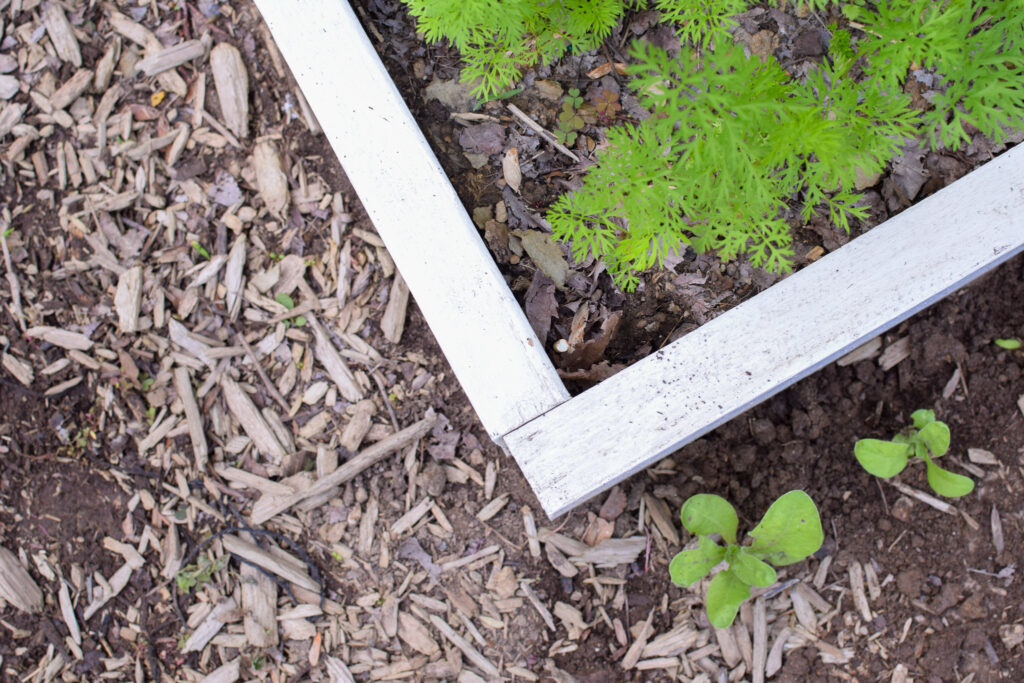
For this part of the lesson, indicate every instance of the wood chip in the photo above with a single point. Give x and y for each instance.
(805, 615)
(934, 502)
(233, 280)
(997, 531)
(225, 673)
(337, 672)
(392, 323)
(21, 370)
(895, 354)
(72, 89)
(128, 300)
(269, 506)
(632, 656)
(865, 351)
(250, 419)
(156, 62)
(183, 385)
(61, 34)
(774, 661)
(358, 425)
(272, 563)
(661, 516)
(409, 519)
(728, 646)
(58, 337)
(679, 640)
(860, 598)
(559, 561)
(16, 586)
(68, 613)
(980, 456)
(612, 552)
(542, 610)
(416, 635)
(493, 508)
(760, 641)
(530, 526)
(232, 83)
(271, 182)
(213, 623)
(464, 645)
(259, 602)
(329, 357)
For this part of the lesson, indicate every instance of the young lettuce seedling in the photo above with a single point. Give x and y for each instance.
(926, 439)
(789, 531)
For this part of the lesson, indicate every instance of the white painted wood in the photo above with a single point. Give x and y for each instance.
(716, 372)
(474, 317)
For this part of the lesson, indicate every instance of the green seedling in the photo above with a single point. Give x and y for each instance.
(570, 121)
(1008, 344)
(199, 572)
(201, 250)
(789, 531)
(289, 303)
(926, 439)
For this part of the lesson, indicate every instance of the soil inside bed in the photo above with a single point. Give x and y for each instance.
(607, 329)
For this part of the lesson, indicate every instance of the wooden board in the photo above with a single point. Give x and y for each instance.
(473, 315)
(570, 450)
(767, 343)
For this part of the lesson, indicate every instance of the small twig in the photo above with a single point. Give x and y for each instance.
(885, 503)
(220, 128)
(522, 116)
(12, 278)
(271, 389)
(384, 394)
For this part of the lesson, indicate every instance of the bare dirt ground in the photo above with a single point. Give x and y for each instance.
(230, 449)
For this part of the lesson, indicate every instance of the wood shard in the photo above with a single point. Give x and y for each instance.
(62, 338)
(232, 83)
(259, 602)
(471, 652)
(16, 586)
(271, 182)
(183, 385)
(270, 562)
(171, 57)
(128, 299)
(895, 354)
(392, 323)
(61, 34)
(213, 623)
(252, 422)
(328, 355)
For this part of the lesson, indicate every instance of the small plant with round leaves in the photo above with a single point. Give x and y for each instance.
(789, 531)
(927, 439)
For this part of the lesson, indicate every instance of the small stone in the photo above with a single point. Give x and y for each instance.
(902, 508)
(433, 479)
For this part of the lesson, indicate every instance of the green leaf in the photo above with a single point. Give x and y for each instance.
(690, 566)
(946, 483)
(789, 531)
(922, 418)
(882, 458)
(935, 436)
(285, 301)
(1008, 344)
(726, 593)
(705, 514)
(751, 570)
(300, 321)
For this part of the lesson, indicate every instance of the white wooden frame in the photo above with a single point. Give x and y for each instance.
(572, 449)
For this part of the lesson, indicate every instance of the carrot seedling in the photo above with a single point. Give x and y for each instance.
(926, 439)
(789, 531)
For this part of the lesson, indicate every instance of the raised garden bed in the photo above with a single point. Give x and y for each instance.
(571, 449)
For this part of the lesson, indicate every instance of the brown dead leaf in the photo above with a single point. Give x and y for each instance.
(540, 304)
(546, 254)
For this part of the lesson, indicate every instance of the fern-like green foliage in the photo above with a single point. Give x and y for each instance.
(500, 38)
(730, 142)
(976, 48)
